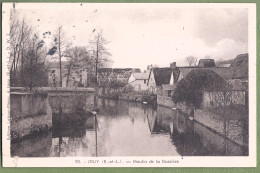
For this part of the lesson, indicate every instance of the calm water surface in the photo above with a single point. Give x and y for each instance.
(127, 129)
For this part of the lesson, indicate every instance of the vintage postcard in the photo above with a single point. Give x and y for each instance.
(129, 85)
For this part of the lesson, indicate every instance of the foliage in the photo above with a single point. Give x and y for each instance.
(52, 51)
(190, 89)
(78, 57)
(128, 89)
(116, 84)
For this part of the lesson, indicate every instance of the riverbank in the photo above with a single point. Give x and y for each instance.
(234, 128)
(29, 113)
(148, 99)
(105, 135)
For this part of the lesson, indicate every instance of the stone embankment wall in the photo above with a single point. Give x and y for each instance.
(165, 101)
(29, 113)
(32, 112)
(131, 97)
(234, 127)
(150, 99)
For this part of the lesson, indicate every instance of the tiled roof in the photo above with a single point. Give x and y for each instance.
(207, 63)
(168, 87)
(105, 70)
(106, 74)
(114, 70)
(162, 75)
(224, 72)
(239, 67)
(176, 73)
(207, 78)
(141, 76)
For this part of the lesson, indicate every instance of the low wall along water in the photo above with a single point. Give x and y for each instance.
(165, 101)
(30, 113)
(34, 112)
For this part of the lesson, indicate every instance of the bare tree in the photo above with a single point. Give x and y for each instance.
(18, 38)
(101, 52)
(63, 46)
(223, 100)
(79, 56)
(101, 55)
(191, 60)
(26, 51)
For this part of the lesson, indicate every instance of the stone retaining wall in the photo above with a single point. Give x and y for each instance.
(216, 122)
(165, 101)
(29, 113)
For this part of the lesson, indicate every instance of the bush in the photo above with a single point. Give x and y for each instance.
(190, 89)
(32, 76)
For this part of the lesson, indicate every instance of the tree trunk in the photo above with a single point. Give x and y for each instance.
(96, 80)
(60, 56)
(67, 82)
(22, 80)
(31, 76)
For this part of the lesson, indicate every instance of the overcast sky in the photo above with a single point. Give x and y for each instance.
(142, 34)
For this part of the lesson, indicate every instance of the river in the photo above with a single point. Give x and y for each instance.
(124, 128)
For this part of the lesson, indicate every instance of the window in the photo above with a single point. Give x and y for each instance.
(169, 93)
(145, 81)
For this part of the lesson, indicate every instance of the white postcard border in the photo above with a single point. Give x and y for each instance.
(198, 161)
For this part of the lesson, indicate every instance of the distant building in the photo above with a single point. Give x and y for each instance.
(224, 72)
(239, 67)
(72, 75)
(163, 81)
(160, 77)
(238, 80)
(107, 75)
(139, 80)
(207, 63)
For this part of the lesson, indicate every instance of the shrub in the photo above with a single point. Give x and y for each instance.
(190, 89)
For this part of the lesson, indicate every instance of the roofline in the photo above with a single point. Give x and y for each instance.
(212, 90)
(207, 59)
(201, 67)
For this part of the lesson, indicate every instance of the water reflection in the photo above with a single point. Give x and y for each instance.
(128, 129)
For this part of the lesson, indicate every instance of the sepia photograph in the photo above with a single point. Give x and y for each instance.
(128, 85)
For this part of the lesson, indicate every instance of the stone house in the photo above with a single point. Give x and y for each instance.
(107, 75)
(214, 98)
(163, 81)
(113, 79)
(139, 81)
(224, 72)
(72, 75)
(238, 81)
(159, 78)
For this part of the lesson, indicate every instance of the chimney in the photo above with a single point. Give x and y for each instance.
(173, 65)
(149, 67)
